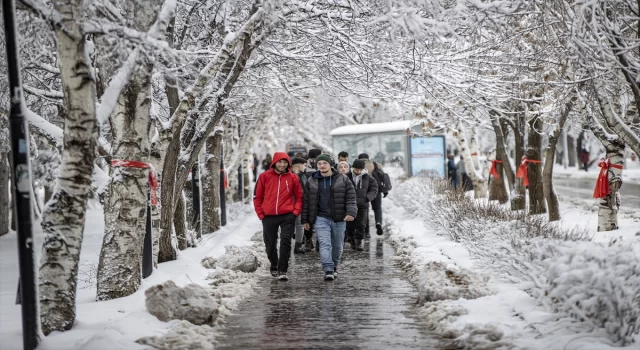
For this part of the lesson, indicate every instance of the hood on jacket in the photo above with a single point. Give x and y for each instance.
(278, 156)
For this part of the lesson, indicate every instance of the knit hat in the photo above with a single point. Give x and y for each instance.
(343, 162)
(314, 152)
(358, 164)
(363, 156)
(298, 160)
(325, 157)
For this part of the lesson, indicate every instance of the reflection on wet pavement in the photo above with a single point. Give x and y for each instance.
(369, 306)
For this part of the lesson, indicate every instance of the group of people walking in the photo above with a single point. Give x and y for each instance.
(315, 193)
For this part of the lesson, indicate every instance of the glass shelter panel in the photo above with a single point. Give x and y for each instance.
(387, 149)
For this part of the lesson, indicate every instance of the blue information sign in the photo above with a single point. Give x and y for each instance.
(428, 156)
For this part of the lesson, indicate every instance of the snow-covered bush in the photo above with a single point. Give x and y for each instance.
(595, 284)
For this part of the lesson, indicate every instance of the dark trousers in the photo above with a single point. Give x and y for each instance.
(376, 205)
(270, 224)
(356, 228)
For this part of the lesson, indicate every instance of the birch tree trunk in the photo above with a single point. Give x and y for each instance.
(63, 219)
(479, 183)
(4, 193)
(534, 152)
(547, 173)
(156, 159)
(119, 269)
(211, 184)
(608, 206)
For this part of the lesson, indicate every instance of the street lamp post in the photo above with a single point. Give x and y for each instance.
(21, 177)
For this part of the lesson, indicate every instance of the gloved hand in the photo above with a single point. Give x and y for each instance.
(385, 194)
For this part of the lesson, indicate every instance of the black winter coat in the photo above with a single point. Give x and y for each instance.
(342, 199)
(366, 191)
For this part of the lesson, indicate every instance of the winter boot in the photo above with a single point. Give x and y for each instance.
(379, 228)
(298, 249)
(308, 246)
(274, 271)
(282, 276)
(359, 245)
(328, 276)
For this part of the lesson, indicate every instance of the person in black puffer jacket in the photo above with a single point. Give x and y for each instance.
(329, 203)
(366, 191)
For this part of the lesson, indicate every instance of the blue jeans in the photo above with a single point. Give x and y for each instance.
(330, 234)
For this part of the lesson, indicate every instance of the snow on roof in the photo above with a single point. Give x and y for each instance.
(400, 125)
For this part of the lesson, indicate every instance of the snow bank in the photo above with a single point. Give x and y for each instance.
(592, 286)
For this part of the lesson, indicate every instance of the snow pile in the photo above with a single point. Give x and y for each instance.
(440, 285)
(594, 285)
(227, 288)
(236, 258)
(167, 302)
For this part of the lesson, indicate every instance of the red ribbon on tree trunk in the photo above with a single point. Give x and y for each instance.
(602, 184)
(494, 170)
(153, 180)
(522, 170)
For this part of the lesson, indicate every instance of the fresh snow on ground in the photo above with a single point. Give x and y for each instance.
(117, 324)
(496, 312)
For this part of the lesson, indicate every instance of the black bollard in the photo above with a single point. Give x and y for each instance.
(147, 250)
(195, 190)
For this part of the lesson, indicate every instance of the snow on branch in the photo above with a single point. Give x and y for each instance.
(109, 98)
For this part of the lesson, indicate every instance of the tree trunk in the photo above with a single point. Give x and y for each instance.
(64, 217)
(609, 205)
(518, 200)
(547, 172)
(125, 209)
(571, 151)
(534, 152)
(156, 159)
(497, 191)
(211, 184)
(479, 183)
(5, 174)
(180, 223)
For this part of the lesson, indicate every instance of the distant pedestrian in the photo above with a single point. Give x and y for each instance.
(366, 191)
(278, 200)
(584, 154)
(452, 171)
(343, 157)
(329, 203)
(343, 167)
(254, 167)
(384, 185)
(297, 168)
(309, 170)
(266, 163)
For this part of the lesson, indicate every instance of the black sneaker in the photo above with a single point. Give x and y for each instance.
(379, 229)
(282, 276)
(274, 272)
(335, 272)
(328, 276)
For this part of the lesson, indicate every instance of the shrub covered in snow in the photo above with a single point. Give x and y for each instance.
(595, 284)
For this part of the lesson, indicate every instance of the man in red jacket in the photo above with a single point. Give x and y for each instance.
(278, 200)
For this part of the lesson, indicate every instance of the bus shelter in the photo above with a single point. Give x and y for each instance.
(394, 144)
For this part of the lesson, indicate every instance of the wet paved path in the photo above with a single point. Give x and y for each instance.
(369, 306)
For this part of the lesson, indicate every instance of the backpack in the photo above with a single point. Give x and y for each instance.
(384, 183)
